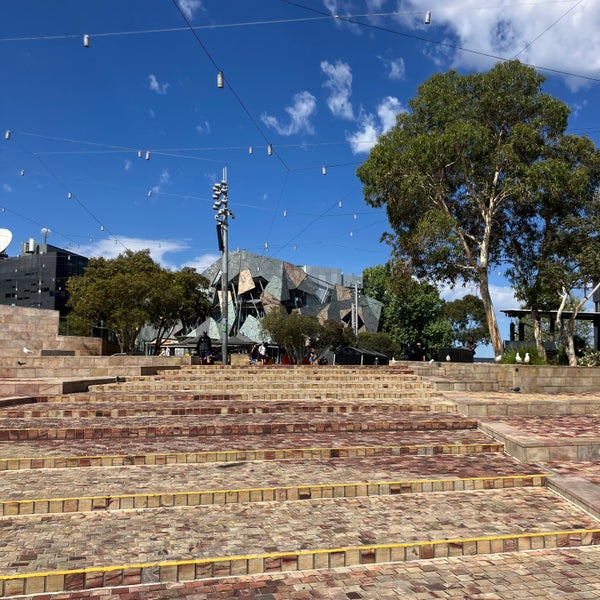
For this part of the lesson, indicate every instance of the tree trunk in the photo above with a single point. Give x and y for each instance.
(490, 314)
(537, 333)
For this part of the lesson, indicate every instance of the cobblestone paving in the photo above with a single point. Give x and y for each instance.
(572, 574)
(59, 483)
(126, 537)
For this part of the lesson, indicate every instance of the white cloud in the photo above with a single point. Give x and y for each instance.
(165, 177)
(201, 263)
(557, 35)
(189, 7)
(300, 113)
(128, 165)
(339, 84)
(155, 86)
(372, 126)
(387, 111)
(365, 138)
(7, 187)
(109, 248)
(203, 127)
(396, 68)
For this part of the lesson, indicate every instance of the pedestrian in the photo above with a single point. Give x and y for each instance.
(263, 353)
(254, 357)
(415, 351)
(204, 348)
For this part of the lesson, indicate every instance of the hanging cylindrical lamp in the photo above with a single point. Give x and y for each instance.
(324, 170)
(86, 41)
(269, 149)
(7, 134)
(150, 194)
(220, 80)
(250, 150)
(140, 154)
(428, 17)
(22, 172)
(148, 155)
(69, 195)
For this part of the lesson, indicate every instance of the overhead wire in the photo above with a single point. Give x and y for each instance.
(438, 42)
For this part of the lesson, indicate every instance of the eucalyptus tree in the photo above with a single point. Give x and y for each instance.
(455, 170)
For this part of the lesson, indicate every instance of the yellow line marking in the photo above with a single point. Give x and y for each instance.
(267, 556)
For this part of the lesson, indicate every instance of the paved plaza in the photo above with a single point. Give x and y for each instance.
(298, 483)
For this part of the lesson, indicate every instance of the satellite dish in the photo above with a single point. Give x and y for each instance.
(5, 239)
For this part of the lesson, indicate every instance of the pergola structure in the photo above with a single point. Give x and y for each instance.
(518, 334)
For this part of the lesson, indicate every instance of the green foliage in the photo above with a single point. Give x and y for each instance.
(591, 358)
(467, 318)
(333, 335)
(509, 357)
(291, 332)
(472, 174)
(379, 342)
(124, 293)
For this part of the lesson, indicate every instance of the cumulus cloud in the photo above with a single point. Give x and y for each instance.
(556, 35)
(339, 84)
(159, 248)
(371, 126)
(7, 187)
(300, 112)
(155, 86)
(190, 7)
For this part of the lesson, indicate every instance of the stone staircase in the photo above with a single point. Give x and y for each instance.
(216, 482)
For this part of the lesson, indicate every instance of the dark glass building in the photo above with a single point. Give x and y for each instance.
(37, 278)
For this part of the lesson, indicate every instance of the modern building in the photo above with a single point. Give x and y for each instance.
(37, 278)
(258, 284)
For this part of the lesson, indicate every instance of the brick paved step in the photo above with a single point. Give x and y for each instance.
(92, 407)
(58, 490)
(203, 425)
(74, 453)
(572, 573)
(94, 549)
(548, 438)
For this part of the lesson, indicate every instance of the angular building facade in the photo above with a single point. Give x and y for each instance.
(258, 284)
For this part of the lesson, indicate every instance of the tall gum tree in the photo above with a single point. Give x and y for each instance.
(453, 168)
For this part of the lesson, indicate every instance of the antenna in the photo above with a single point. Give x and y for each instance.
(5, 239)
(45, 233)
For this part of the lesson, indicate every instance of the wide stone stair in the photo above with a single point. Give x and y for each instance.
(271, 482)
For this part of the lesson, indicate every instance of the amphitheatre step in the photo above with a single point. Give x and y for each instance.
(203, 425)
(571, 573)
(547, 438)
(92, 407)
(109, 452)
(67, 552)
(53, 490)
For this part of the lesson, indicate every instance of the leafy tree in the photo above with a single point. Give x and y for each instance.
(552, 244)
(411, 310)
(335, 334)
(453, 172)
(290, 331)
(467, 318)
(124, 293)
(379, 342)
(177, 297)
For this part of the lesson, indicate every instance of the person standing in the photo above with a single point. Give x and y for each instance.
(204, 348)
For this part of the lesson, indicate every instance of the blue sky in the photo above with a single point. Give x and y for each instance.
(317, 87)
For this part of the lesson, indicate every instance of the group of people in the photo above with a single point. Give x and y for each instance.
(259, 353)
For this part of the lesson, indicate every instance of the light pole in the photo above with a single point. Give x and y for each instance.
(222, 217)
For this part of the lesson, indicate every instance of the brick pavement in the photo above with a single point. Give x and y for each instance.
(243, 487)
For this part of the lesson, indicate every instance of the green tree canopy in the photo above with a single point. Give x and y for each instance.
(125, 293)
(291, 332)
(467, 318)
(454, 171)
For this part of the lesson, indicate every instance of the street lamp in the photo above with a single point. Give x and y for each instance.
(220, 191)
